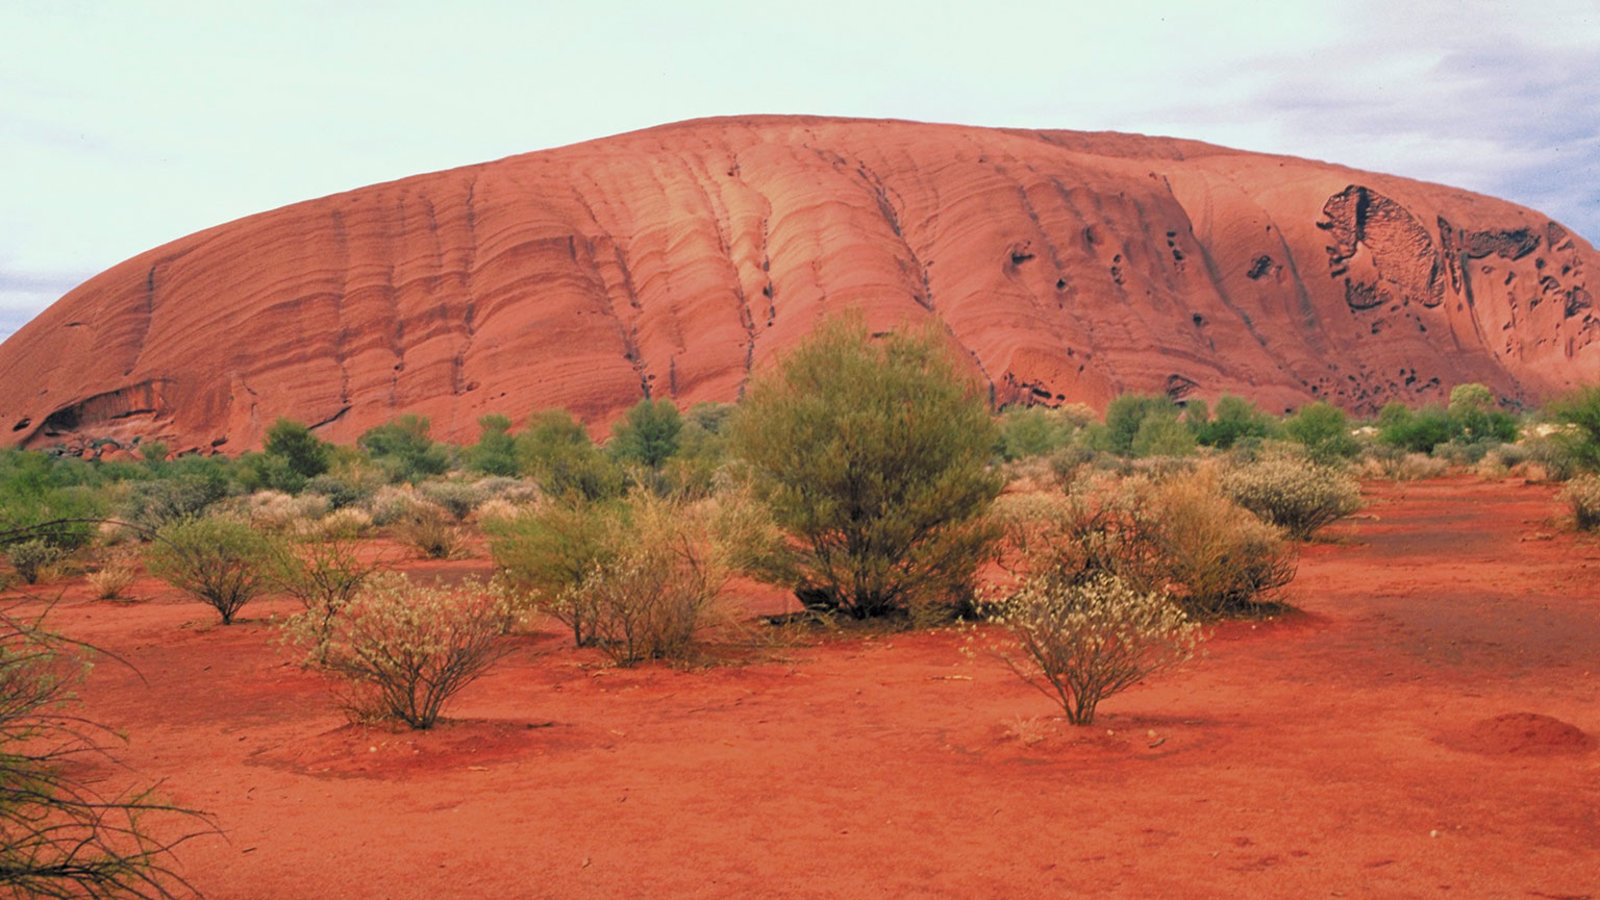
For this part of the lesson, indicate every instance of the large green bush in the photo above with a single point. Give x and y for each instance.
(555, 449)
(1234, 420)
(1324, 430)
(545, 555)
(647, 435)
(872, 454)
(404, 449)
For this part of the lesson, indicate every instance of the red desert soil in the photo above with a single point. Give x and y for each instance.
(1068, 266)
(1421, 726)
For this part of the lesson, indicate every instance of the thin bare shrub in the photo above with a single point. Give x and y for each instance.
(1079, 642)
(406, 649)
(59, 835)
(324, 574)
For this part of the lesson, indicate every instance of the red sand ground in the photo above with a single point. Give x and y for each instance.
(1421, 727)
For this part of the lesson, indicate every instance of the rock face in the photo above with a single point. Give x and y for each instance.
(670, 262)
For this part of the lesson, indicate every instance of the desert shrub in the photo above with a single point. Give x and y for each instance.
(1580, 412)
(407, 648)
(1162, 436)
(1127, 413)
(1324, 431)
(324, 574)
(1028, 431)
(1551, 456)
(495, 510)
(113, 577)
(1583, 495)
(404, 450)
(1079, 642)
(647, 435)
(1297, 495)
(1177, 534)
(1219, 558)
(495, 453)
(278, 511)
(1235, 419)
(1396, 464)
(152, 505)
(456, 497)
(431, 530)
(555, 449)
(511, 490)
(544, 555)
(872, 455)
(650, 597)
(58, 836)
(344, 523)
(343, 489)
(36, 506)
(220, 562)
(32, 558)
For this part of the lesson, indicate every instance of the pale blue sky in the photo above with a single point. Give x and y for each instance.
(124, 125)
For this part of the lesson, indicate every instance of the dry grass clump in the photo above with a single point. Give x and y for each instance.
(278, 511)
(114, 576)
(432, 530)
(1402, 466)
(1583, 495)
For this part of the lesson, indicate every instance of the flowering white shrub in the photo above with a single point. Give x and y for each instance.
(1583, 495)
(410, 648)
(1081, 642)
(1296, 494)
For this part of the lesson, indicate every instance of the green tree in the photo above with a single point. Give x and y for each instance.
(405, 450)
(1235, 419)
(1324, 431)
(495, 453)
(1127, 413)
(1580, 411)
(648, 434)
(306, 455)
(872, 455)
(556, 450)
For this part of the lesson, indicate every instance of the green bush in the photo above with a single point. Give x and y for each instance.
(152, 505)
(1296, 495)
(495, 453)
(1127, 413)
(872, 454)
(555, 449)
(408, 648)
(1235, 419)
(1324, 431)
(545, 555)
(404, 450)
(1583, 495)
(1027, 431)
(220, 562)
(456, 497)
(1079, 642)
(1580, 412)
(647, 435)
